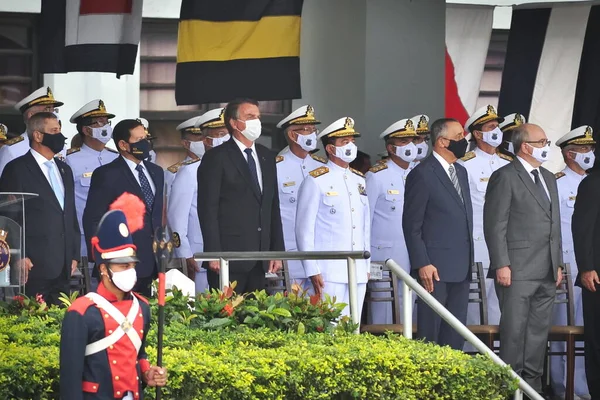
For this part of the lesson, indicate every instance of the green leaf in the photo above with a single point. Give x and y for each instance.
(281, 312)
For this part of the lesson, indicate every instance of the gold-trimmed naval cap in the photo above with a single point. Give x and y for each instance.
(583, 135)
(341, 128)
(481, 116)
(93, 109)
(421, 123)
(189, 126)
(41, 97)
(304, 115)
(214, 118)
(511, 121)
(3, 132)
(399, 129)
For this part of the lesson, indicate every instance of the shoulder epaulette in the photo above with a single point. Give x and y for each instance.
(278, 159)
(469, 156)
(111, 150)
(81, 304)
(357, 172)
(188, 162)
(14, 140)
(140, 297)
(559, 175)
(505, 156)
(318, 172)
(174, 168)
(380, 166)
(73, 150)
(319, 158)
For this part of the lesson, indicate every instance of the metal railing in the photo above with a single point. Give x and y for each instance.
(349, 256)
(409, 284)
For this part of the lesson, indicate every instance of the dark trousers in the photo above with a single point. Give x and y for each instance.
(247, 282)
(50, 289)
(143, 286)
(591, 322)
(431, 327)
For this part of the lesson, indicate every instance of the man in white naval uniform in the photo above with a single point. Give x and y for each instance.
(577, 149)
(385, 191)
(511, 121)
(207, 131)
(480, 164)
(333, 215)
(292, 167)
(38, 101)
(93, 126)
(421, 123)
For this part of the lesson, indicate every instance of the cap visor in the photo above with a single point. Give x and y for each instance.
(122, 260)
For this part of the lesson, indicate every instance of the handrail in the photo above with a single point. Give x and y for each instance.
(350, 256)
(408, 284)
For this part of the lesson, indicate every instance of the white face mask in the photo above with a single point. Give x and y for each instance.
(219, 141)
(346, 153)
(124, 280)
(253, 129)
(540, 153)
(198, 148)
(422, 149)
(151, 156)
(585, 160)
(307, 142)
(493, 137)
(407, 152)
(103, 134)
(511, 147)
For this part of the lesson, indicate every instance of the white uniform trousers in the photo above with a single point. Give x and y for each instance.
(342, 295)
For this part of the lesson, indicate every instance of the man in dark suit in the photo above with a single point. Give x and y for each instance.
(238, 201)
(438, 228)
(521, 223)
(51, 228)
(129, 173)
(586, 240)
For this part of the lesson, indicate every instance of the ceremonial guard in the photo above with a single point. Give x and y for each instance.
(385, 190)
(207, 131)
(421, 124)
(510, 123)
(38, 101)
(93, 127)
(577, 148)
(292, 167)
(103, 337)
(333, 215)
(480, 164)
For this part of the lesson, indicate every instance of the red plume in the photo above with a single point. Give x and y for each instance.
(133, 208)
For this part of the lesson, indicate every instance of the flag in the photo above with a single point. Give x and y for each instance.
(551, 70)
(238, 48)
(90, 35)
(468, 32)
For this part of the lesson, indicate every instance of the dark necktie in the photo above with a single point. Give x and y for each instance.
(454, 179)
(540, 186)
(252, 167)
(145, 185)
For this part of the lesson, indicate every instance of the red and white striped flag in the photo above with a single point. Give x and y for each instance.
(90, 35)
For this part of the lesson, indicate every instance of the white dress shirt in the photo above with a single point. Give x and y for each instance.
(41, 160)
(243, 147)
(132, 167)
(445, 164)
(528, 167)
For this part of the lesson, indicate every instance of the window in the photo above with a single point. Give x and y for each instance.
(489, 91)
(158, 62)
(18, 71)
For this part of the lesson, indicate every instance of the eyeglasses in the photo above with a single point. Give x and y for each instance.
(541, 142)
(97, 123)
(306, 130)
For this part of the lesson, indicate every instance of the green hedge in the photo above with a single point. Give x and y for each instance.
(242, 362)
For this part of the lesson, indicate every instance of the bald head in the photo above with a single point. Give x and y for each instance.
(526, 133)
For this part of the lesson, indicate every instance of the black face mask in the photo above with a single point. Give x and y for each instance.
(140, 150)
(55, 142)
(458, 147)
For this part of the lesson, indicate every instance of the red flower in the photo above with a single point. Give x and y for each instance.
(228, 309)
(39, 298)
(228, 291)
(319, 329)
(314, 299)
(19, 298)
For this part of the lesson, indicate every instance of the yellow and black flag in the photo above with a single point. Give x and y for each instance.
(238, 48)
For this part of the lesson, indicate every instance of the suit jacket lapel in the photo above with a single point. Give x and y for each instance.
(267, 177)
(36, 171)
(152, 175)
(132, 181)
(239, 160)
(445, 179)
(530, 184)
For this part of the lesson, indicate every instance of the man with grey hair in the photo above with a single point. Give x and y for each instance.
(522, 230)
(438, 230)
(51, 229)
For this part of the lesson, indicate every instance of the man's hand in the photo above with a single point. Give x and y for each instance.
(560, 277)
(192, 267)
(74, 266)
(25, 264)
(155, 376)
(503, 276)
(318, 283)
(275, 266)
(214, 266)
(426, 275)
(589, 280)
